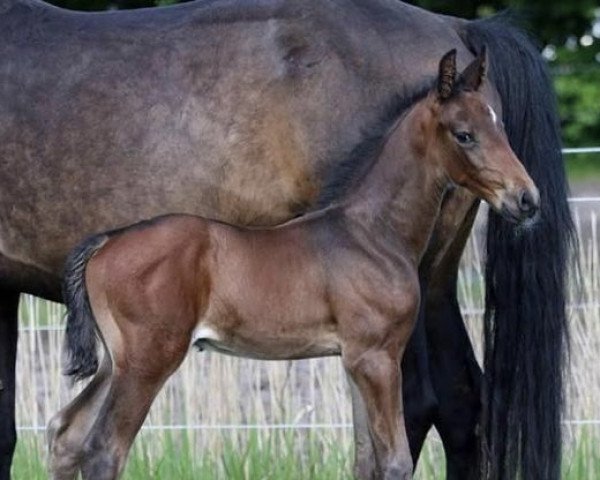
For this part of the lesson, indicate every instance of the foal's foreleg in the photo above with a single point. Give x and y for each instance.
(377, 375)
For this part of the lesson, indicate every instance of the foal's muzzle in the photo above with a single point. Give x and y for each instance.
(521, 206)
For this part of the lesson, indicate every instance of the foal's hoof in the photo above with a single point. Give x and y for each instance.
(399, 473)
(52, 430)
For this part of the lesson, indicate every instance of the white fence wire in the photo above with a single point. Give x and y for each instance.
(324, 426)
(274, 426)
(578, 150)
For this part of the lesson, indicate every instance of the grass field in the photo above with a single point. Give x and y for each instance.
(213, 399)
(287, 455)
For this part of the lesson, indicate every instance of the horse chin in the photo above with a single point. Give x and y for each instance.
(516, 217)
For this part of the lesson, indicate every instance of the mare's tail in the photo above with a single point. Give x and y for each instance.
(81, 326)
(525, 321)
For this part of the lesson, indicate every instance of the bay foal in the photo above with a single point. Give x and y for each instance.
(342, 281)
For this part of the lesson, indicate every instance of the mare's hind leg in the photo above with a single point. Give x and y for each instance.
(147, 358)
(457, 382)
(69, 428)
(455, 374)
(420, 401)
(8, 353)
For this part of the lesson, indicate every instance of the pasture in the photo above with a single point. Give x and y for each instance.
(230, 418)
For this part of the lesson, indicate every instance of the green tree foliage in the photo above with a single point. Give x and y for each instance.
(551, 20)
(580, 108)
(566, 28)
(93, 5)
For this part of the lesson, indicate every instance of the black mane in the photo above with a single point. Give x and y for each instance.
(347, 172)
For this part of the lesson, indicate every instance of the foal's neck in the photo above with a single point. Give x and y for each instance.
(399, 199)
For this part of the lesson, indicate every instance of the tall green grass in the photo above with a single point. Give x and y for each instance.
(283, 456)
(212, 390)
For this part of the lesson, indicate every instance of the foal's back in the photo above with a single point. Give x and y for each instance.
(258, 293)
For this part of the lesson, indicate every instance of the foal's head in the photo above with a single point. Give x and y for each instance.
(466, 138)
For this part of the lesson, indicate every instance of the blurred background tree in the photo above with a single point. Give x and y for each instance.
(569, 35)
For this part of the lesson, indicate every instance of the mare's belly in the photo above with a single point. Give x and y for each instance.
(276, 344)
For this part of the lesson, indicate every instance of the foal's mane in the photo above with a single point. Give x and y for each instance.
(358, 161)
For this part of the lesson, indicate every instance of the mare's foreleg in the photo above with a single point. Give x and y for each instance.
(9, 302)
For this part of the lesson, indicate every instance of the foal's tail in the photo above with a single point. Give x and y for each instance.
(81, 325)
(525, 320)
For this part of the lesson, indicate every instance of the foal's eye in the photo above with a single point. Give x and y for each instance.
(464, 138)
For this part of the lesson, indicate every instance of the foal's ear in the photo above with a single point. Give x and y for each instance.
(447, 75)
(472, 78)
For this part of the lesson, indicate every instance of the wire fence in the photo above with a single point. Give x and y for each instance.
(580, 150)
(467, 312)
(273, 426)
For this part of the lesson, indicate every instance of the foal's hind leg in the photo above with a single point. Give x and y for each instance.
(148, 358)
(68, 428)
(364, 456)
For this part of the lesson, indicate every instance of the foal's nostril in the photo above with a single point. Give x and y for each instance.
(527, 204)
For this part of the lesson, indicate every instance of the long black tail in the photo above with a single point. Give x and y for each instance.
(526, 337)
(81, 326)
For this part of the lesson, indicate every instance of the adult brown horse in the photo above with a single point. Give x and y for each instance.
(246, 113)
(341, 281)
